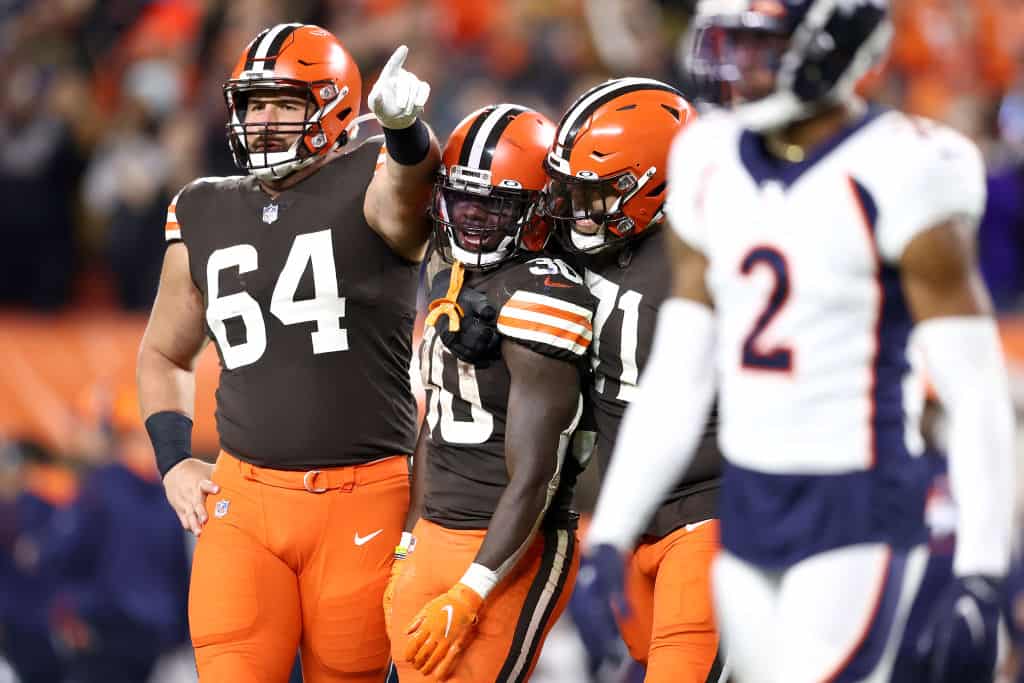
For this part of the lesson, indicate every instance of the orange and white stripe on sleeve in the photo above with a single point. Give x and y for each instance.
(172, 231)
(542, 319)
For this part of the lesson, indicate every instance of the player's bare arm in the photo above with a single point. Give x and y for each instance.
(172, 342)
(419, 474)
(940, 274)
(689, 269)
(407, 542)
(543, 399)
(396, 200)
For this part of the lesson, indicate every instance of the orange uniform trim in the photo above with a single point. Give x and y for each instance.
(550, 310)
(559, 332)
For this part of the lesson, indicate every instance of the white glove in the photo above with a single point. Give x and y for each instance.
(397, 98)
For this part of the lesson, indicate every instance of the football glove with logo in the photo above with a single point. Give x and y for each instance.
(442, 630)
(398, 96)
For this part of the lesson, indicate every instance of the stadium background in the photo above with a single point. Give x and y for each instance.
(108, 107)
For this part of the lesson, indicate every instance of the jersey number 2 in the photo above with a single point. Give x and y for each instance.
(780, 358)
(326, 308)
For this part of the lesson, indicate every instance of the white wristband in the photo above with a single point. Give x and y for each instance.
(480, 579)
(405, 545)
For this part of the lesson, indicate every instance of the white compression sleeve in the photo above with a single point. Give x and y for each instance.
(965, 363)
(662, 426)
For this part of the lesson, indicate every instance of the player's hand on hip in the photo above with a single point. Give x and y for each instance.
(442, 630)
(187, 484)
(959, 642)
(398, 96)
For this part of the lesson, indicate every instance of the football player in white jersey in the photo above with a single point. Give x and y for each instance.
(813, 234)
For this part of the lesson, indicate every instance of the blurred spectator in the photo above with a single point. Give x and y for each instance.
(40, 165)
(954, 56)
(1001, 236)
(25, 595)
(118, 555)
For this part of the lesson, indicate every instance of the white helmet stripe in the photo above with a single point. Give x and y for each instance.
(480, 140)
(582, 107)
(269, 38)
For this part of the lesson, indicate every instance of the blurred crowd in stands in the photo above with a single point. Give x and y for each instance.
(108, 107)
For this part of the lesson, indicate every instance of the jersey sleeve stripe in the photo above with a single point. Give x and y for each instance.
(548, 334)
(172, 231)
(544, 338)
(581, 328)
(551, 306)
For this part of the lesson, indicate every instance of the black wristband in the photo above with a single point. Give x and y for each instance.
(171, 436)
(408, 146)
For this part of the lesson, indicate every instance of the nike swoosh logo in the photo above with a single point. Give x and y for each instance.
(361, 540)
(696, 525)
(447, 609)
(548, 282)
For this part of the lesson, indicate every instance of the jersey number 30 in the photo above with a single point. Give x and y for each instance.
(780, 358)
(326, 308)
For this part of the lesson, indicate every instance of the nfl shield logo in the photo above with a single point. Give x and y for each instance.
(270, 213)
(221, 508)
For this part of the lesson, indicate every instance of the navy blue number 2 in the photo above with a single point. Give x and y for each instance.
(780, 358)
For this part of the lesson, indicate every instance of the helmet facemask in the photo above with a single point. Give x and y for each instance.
(262, 148)
(589, 214)
(479, 224)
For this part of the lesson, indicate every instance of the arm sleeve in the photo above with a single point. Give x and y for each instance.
(662, 426)
(965, 363)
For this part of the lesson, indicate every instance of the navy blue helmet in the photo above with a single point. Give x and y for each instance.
(779, 61)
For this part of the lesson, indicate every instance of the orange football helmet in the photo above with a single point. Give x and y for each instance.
(305, 60)
(607, 166)
(487, 192)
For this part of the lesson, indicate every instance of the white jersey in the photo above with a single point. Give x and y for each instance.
(817, 406)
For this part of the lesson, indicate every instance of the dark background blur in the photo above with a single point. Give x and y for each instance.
(108, 107)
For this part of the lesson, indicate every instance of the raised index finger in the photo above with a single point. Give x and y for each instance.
(395, 61)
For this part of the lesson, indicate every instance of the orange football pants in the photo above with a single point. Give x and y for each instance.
(296, 560)
(668, 585)
(516, 616)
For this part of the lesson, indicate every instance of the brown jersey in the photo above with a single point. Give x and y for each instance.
(542, 304)
(630, 286)
(311, 313)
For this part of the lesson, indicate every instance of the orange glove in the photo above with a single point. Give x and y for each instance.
(442, 630)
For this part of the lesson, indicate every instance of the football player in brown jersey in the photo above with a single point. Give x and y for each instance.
(605, 199)
(303, 271)
(493, 553)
